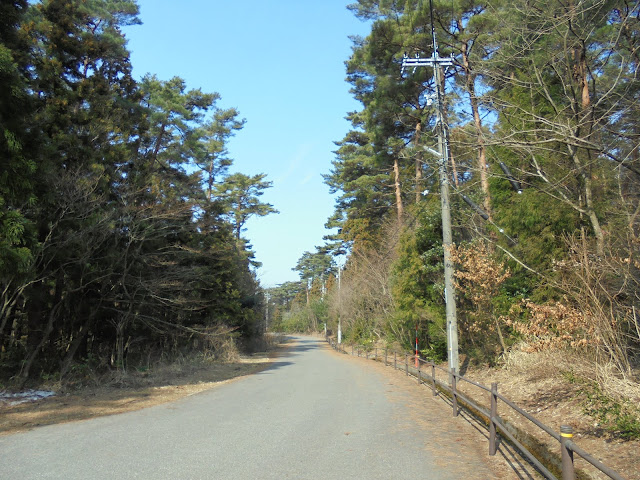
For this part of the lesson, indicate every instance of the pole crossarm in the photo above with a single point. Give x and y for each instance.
(432, 61)
(432, 151)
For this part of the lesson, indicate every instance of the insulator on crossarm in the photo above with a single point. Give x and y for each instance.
(469, 202)
(514, 183)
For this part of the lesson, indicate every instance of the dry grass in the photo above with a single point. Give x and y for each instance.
(554, 363)
(540, 383)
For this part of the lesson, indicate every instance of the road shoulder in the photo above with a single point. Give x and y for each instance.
(451, 439)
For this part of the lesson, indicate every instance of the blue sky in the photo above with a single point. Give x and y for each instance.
(281, 64)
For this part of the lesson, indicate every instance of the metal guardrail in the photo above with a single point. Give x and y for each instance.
(496, 425)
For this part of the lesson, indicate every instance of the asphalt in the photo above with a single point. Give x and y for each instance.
(314, 414)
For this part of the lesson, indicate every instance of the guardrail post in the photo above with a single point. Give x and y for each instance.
(406, 364)
(385, 356)
(492, 423)
(352, 350)
(454, 395)
(566, 434)
(433, 379)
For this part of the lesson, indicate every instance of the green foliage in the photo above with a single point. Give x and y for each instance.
(436, 350)
(620, 418)
(302, 318)
(280, 301)
(298, 307)
(296, 321)
(17, 143)
(549, 94)
(360, 331)
(318, 265)
(241, 194)
(418, 286)
(112, 242)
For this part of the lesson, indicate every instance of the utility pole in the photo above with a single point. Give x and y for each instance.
(437, 63)
(266, 317)
(417, 354)
(339, 307)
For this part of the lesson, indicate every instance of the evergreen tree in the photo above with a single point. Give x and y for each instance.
(18, 147)
(241, 193)
(111, 242)
(541, 103)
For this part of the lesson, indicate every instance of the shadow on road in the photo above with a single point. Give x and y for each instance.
(292, 346)
(305, 344)
(134, 390)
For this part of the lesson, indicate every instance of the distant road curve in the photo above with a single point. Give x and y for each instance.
(314, 414)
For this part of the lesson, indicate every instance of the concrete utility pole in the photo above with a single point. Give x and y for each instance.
(339, 306)
(266, 316)
(437, 63)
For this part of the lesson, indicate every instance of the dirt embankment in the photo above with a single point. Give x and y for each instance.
(542, 388)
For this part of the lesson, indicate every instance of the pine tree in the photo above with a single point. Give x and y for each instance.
(241, 193)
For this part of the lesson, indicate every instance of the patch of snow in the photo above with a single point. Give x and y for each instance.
(23, 397)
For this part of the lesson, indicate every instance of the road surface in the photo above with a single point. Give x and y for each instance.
(314, 414)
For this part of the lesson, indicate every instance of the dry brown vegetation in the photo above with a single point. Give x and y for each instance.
(544, 384)
(365, 301)
(480, 276)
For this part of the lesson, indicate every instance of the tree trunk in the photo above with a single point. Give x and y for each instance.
(500, 337)
(8, 307)
(8, 303)
(396, 172)
(211, 180)
(583, 115)
(156, 148)
(26, 368)
(119, 360)
(416, 141)
(73, 348)
(482, 155)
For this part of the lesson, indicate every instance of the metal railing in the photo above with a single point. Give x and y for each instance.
(496, 426)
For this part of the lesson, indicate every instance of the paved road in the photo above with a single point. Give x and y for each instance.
(314, 414)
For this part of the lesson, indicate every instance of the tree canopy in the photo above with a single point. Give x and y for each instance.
(544, 155)
(119, 220)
